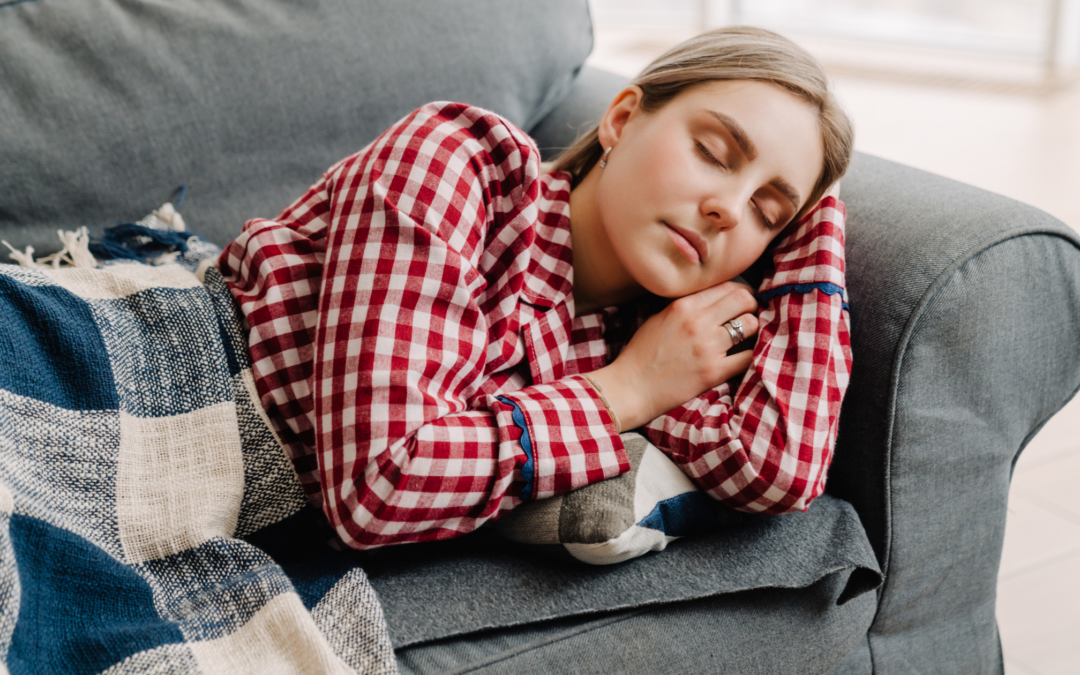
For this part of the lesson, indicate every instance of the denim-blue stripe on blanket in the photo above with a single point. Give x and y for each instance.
(81, 610)
(52, 348)
(528, 469)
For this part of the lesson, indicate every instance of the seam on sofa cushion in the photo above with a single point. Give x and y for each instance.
(543, 642)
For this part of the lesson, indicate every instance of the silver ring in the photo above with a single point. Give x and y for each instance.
(737, 325)
(734, 329)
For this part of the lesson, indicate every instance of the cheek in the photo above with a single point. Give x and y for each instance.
(624, 196)
(650, 171)
(666, 172)
(756, 248)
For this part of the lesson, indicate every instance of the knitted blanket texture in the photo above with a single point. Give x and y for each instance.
(149, 519)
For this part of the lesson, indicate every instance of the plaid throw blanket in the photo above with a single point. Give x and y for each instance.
(149, 519)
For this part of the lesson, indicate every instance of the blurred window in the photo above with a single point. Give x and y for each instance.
(1012, 27)
(1046, 31)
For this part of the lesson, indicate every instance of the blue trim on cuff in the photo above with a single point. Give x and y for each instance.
(528, 470)
(823, 286)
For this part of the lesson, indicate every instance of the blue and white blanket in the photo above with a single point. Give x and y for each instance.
(150, 522)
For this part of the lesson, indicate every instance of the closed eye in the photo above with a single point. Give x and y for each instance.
(708, 155)
(761, 214)
(711, 158)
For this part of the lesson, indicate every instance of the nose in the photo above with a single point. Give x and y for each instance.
(720, 211)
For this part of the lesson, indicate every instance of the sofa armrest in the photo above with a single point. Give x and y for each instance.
(966, 316)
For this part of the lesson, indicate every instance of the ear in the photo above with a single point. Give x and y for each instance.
(625, 106)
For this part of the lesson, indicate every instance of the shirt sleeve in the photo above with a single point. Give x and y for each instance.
(767, 448)
(428, 238)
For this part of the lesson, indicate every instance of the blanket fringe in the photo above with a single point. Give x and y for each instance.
(162, 229)
(170, 216)
(75, 253)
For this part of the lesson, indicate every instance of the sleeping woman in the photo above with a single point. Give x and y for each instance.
(441, 330)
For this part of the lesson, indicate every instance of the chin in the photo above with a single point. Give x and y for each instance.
(667, 288)
(664, 275)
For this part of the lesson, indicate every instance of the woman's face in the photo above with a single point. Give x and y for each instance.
(694, 192)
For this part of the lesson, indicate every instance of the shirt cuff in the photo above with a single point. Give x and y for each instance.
(528, 469)
(813, 253)
(824, 287)
(572, 441)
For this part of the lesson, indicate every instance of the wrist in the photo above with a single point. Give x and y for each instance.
(600, 391)
(621, 394)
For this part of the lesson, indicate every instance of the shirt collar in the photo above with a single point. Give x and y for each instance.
(557, 344)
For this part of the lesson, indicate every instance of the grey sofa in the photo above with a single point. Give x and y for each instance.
(965, 311)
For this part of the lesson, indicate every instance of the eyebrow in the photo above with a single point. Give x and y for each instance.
(750, 150)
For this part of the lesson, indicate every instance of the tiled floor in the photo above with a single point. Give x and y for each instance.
(1021, 140)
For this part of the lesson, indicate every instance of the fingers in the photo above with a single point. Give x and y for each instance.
(735, 303)
(713, 294)
(749, 324)
(717, 305)
(735, 365)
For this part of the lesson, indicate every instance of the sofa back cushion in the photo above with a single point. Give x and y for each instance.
(108, 106)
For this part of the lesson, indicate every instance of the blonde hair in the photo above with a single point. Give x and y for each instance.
(735, 53)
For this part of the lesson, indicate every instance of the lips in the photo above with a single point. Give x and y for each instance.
(689, 243)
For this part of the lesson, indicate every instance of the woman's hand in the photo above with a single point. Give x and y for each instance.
(679, 353)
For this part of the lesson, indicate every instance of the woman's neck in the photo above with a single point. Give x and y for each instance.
(600, 280)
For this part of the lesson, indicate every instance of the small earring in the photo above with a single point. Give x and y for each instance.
(603, 160)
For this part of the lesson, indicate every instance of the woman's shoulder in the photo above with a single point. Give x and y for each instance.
(463, 173)
(463, 129)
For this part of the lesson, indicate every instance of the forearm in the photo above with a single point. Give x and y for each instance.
(766, 448)
(449, 475)
(444, 480)
(634, 401)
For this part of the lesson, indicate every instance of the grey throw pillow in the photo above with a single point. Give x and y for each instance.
(620, 518)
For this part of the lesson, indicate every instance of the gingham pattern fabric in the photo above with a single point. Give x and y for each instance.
(392, 309)
(415, 301)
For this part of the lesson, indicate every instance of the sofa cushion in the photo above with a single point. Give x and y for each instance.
(109, 106)
(479, 582)
(590, 95)
(769, 630)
